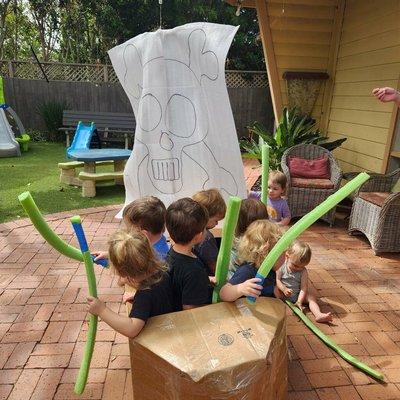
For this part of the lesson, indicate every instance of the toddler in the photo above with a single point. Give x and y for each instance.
(258, 240)
(186, 222)
(207, 250)
(136, 264)
(292, 281)
(250, 210)
(278, 209)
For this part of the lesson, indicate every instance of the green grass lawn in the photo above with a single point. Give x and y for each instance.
(36, 171)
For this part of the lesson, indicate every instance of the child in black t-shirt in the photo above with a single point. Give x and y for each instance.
(136, 264)
(186, 222)
(258, 240)
(208, 249)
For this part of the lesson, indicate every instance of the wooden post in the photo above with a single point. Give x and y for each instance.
(105, 72)
(10, 69)
(272, 70)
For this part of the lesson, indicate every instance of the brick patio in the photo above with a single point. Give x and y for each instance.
(43, 319)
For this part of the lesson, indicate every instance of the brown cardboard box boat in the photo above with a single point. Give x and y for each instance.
(221, 351)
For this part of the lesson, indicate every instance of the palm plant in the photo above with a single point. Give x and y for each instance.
(292, 129)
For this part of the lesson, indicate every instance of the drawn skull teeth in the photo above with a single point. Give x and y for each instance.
(166, 169)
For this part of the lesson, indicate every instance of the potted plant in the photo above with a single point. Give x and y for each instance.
(292, 129)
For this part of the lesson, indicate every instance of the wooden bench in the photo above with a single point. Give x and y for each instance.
(68, 171)
(115, 128)
(89, 180)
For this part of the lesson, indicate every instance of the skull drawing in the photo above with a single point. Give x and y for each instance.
(172, 115)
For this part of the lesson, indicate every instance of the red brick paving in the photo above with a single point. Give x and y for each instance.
(43, 320)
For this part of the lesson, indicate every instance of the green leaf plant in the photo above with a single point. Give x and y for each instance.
(292, 129)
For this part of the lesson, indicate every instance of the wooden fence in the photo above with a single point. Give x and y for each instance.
(90, 88)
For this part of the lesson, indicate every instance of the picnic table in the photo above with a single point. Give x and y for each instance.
(89, 176)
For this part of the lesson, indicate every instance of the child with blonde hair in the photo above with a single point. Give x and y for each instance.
(277, 205)
(250, 210)
(207, 250)
(136, 264)
(292, 281)
(258, 240)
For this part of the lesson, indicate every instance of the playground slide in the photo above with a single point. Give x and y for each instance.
(9, 147)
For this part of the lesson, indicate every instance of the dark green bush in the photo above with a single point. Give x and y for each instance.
(52, 114)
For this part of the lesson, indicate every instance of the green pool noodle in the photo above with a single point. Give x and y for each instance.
(264, 172)
(224, 254)
(44, 229)
(300, 226)
(330, 343)
(83, 373)
(2, 100)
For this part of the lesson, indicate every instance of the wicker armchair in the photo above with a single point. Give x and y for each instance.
(305, 194)
(376, 213)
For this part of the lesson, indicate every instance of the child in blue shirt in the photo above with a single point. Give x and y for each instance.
(147, 215)
(258, 240)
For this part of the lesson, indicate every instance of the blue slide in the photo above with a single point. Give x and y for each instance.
(83, 136)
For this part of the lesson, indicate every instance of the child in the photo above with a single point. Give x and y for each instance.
(292, 281)
(186, 221)
(278, 209)
(207, 250)
(258, 240)
(148, 215)
(136, 264)
(250, 210)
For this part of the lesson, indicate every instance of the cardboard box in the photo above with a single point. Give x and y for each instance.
(221, 351)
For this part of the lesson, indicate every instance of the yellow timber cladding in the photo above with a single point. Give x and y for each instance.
(357, 42)
(301, 32)
(368, 56)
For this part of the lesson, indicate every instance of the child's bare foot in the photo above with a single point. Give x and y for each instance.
(327, 317)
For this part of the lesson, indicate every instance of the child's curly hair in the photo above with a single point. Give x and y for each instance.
(258, 240)
(133, 258)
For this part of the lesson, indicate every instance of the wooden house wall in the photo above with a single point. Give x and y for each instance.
(301, 32)
(368, 57)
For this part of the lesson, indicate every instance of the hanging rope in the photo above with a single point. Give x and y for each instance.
(160, 2)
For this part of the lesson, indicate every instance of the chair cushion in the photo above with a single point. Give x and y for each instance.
(312, 183)
(377, 198)
(317, 168)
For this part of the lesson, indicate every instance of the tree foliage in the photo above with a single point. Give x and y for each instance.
(84, 30)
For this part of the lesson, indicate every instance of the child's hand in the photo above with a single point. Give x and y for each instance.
(94, 305)
(128, 297)
(100, 255)
(213, 280)
(300, 306)
(251, 287)
(287, 292)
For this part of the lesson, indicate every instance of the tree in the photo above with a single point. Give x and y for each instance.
(21, 33)
(120, 20)
(3, 27)
(45, 14)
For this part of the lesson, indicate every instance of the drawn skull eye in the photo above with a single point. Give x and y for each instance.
(150, 112)
(180, 116)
